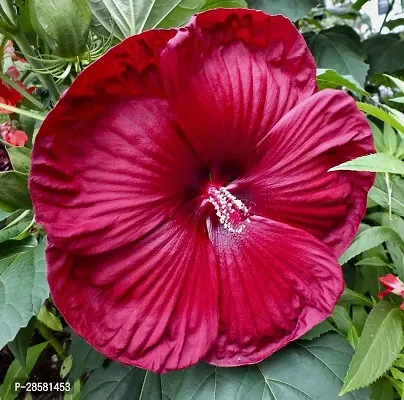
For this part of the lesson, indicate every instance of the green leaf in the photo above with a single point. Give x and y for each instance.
(377, 162)
(350, 297)
(21, 273)
(49, 319)
(374, 354)
(16, 373)
(390, 139)
(341, 319)
(20, 158)
(66, 366)
(124, 18)
(321, 363)
(394, 23)
(398, 100)
(352, 336)
(318, 330)
(293, 9)
(379, 194)
(17, 226)
(328, 78)
(14, 193)
(382, 390)
(398, 82)
(210, 4)
(339, 48)
(385, 53)
(382, 115)
(85, 358)
(359, 316)
(19, 346)
(370, 238)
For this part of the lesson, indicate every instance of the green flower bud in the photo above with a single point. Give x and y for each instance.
(63, 24)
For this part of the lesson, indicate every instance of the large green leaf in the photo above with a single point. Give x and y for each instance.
(304, 370)
(328, 78)
(23, 289)
(339, 48)
(14, 193)
(85, 358)
(17, 374)
(127, 17)
(293, 9)
(377, 162)
(385, 53)
(370, 238)
(19, 346)
(20, 158)
(384, 116)
(378, 347)
(378, 193)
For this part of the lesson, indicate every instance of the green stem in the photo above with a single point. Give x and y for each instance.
(20, 111)
(391, 5)
(48, 335)
(20, 90)
(46, 80)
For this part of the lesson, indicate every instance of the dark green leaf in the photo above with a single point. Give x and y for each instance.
(394, 23)
(374, 354)
(318, 330)
(85, 358)
(293, 9)
(14, 193)
(20, 158)
(350, 297)
(339, 48)
(382, 390)
(19, 346)
(321, 362)
(385, 53)
(23, 289)
(370, 238)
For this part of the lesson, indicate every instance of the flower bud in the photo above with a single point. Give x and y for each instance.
(63, 24)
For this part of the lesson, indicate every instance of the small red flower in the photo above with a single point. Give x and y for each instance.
(394, 285)
(13, 136)
(183, 184)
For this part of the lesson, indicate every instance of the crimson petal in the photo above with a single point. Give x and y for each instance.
(291, 183)
(107, 170)
(276, 283)
(230, 75)
(153, 304)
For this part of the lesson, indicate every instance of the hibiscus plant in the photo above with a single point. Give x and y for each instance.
(201, 199)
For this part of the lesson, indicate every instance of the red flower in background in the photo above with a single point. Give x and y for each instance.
(394, 285)
(183, 184)
(10, 96)
(10, 135)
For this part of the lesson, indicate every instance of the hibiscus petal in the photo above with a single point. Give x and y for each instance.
(276, 283)
(230, 75)
(153, 304)
(105, 171)
(291, 183)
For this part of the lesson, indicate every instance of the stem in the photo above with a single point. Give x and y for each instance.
(18, 219)
(20, 90)
(20, 111)
(48, 335)
(46, 80)
(387, 14)
(389, 192)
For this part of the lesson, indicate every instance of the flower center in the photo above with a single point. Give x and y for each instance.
(232, 212)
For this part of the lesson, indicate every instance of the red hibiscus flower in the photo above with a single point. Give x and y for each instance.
(183, 184)
(394, 285)
(10, 135)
